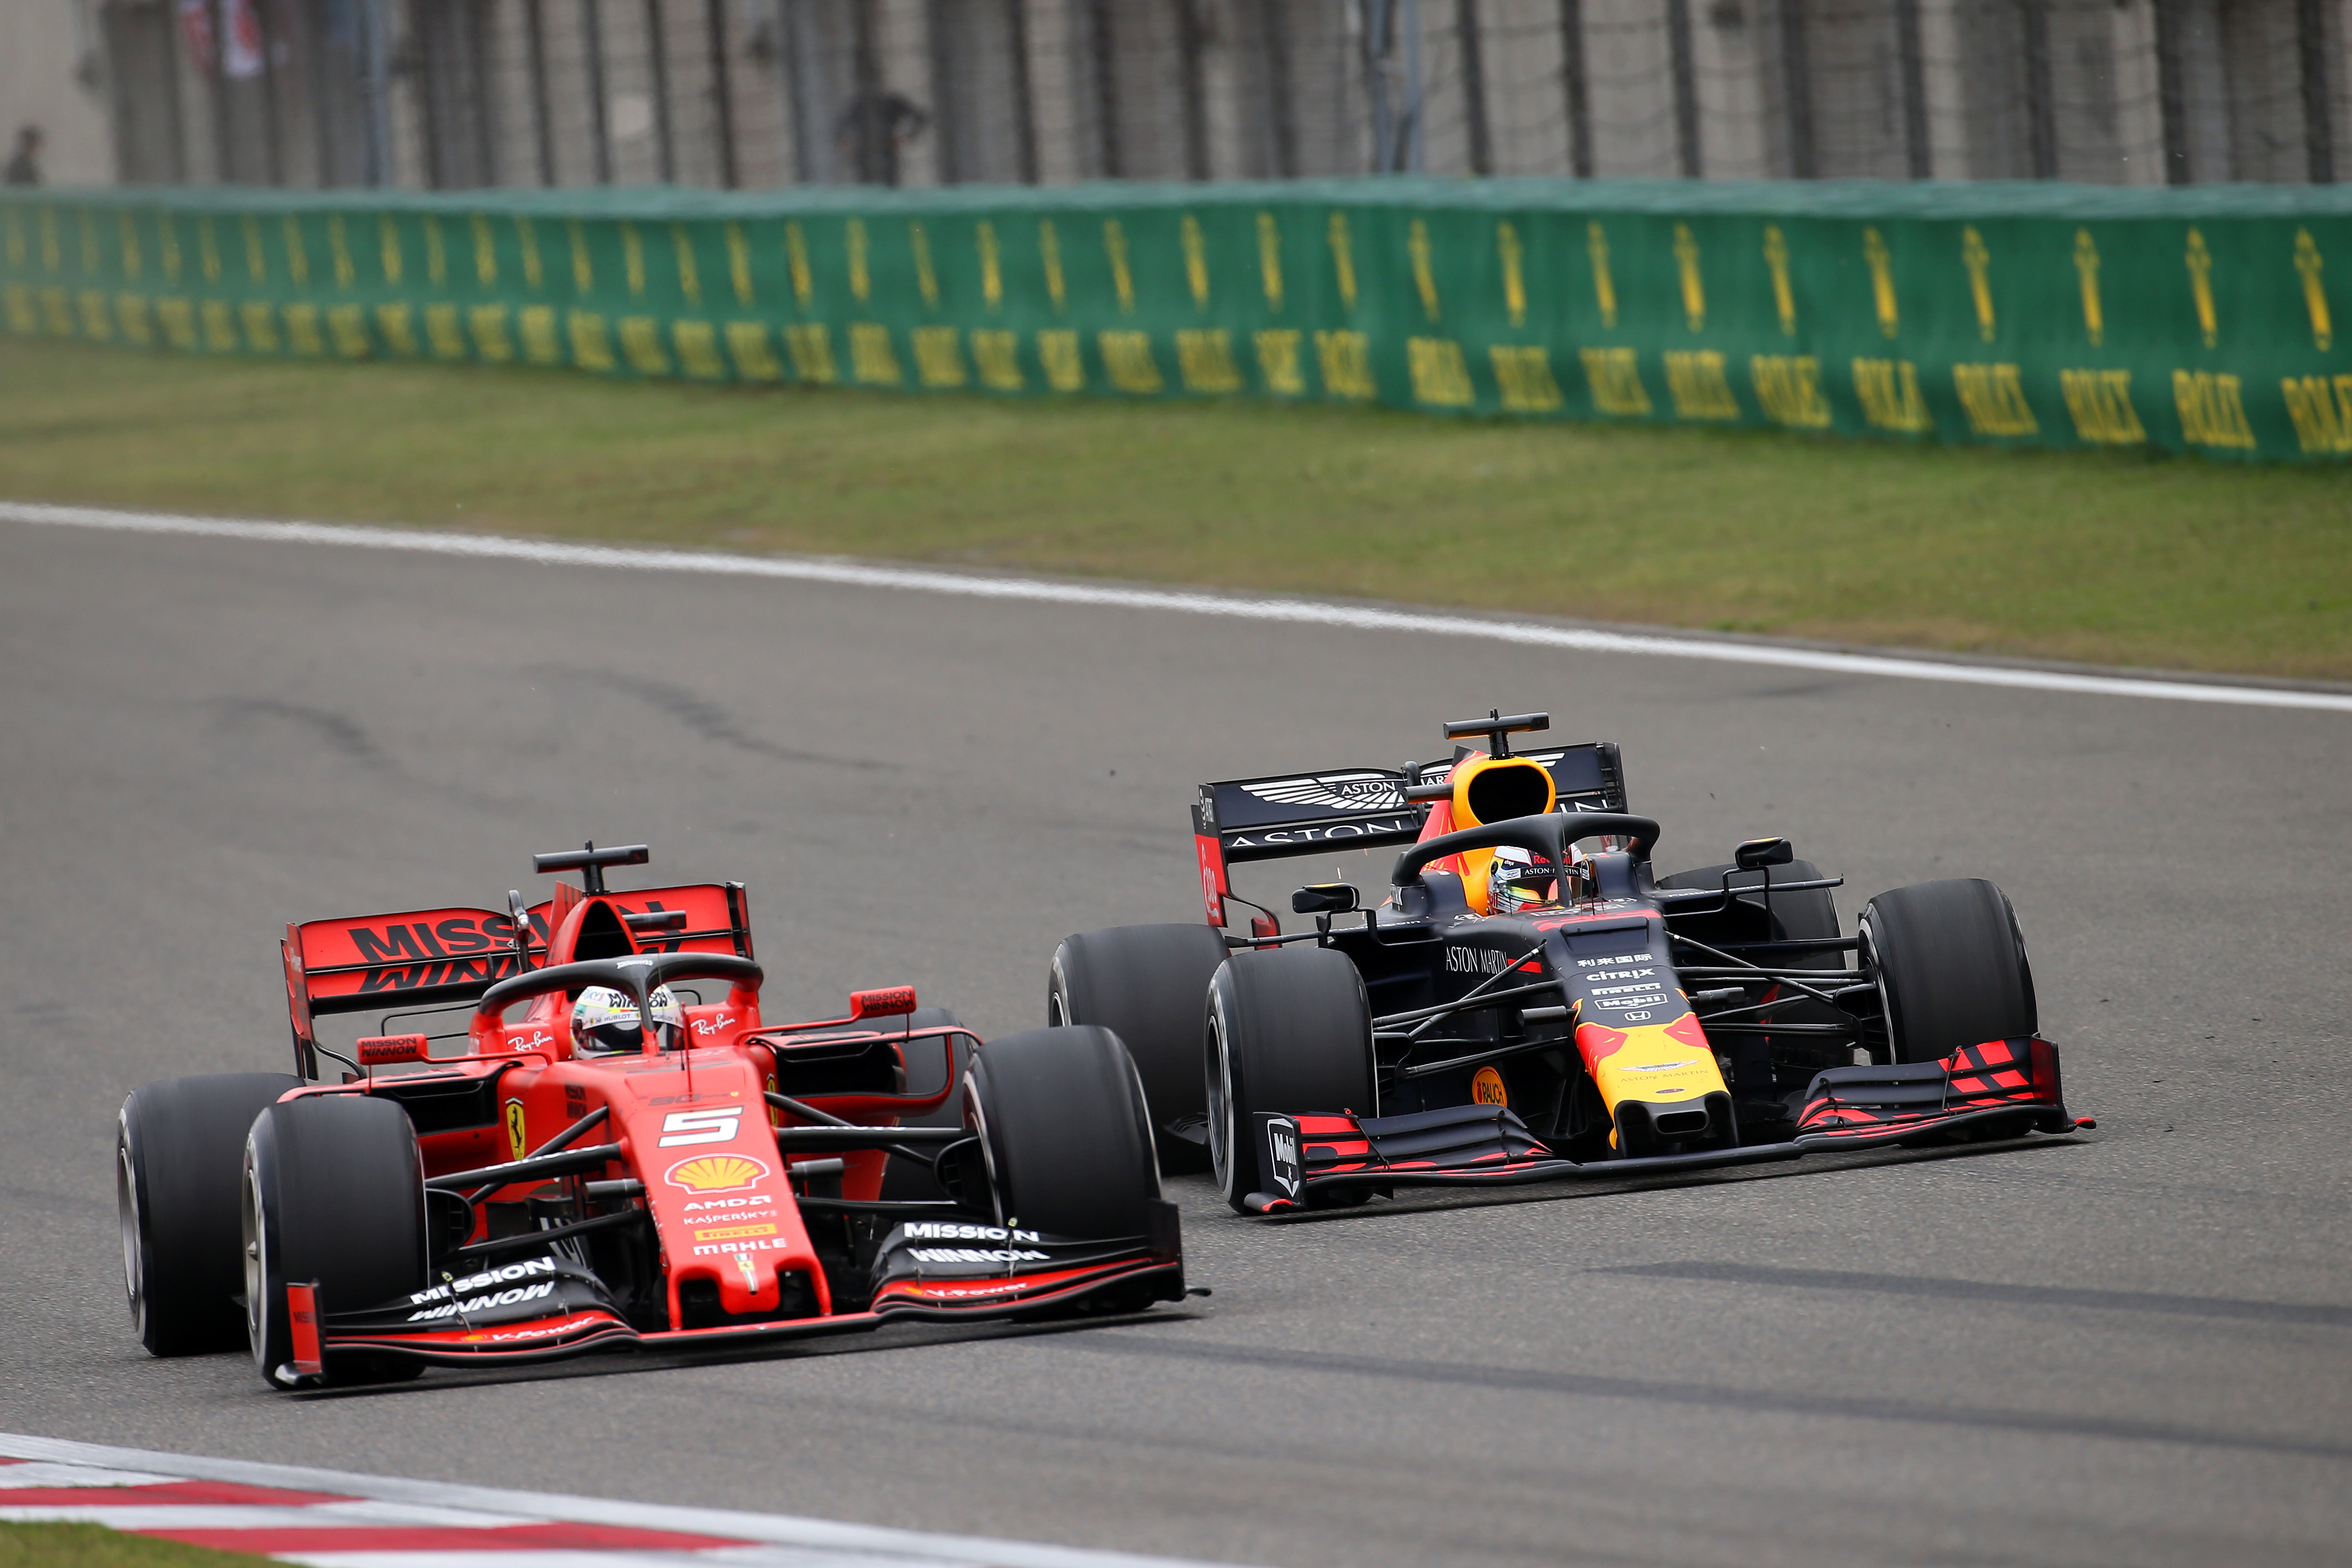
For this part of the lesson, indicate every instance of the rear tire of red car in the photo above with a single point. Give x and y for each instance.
(177, 1147)
(1060, 1113)
(1146, 984)
(1289, 1031)
(334, 1196)
(1950, 965)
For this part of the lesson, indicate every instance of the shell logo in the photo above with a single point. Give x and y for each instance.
(716, 1172)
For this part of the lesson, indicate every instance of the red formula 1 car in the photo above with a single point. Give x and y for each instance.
(621, 1153)
(1531, 1002)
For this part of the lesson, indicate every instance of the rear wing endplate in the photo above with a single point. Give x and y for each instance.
(1240, 820)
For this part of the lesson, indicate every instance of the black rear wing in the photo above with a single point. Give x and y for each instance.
(1240, 820)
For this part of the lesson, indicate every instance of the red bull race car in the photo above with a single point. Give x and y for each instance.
(1530, 1002)
(612, 1147)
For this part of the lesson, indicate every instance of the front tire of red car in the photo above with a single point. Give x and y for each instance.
(176, 1150)
(1067, 1139)
(334, 1196)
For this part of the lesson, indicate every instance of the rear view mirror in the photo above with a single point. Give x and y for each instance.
(386, 1050)
(1324, 898)
(883, 1002)
(1758, 853)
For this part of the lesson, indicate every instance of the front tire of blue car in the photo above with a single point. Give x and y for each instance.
(1950, 965)
(1288, 1031)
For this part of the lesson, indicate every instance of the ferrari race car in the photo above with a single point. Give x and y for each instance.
(608, 1158)
(1531, 1002)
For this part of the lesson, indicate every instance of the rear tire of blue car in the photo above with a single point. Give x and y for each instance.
(1288, 1031)
(1950, 966)
(1147, 985)
(1062, 1121)
(177, 1147)
(334, 1196)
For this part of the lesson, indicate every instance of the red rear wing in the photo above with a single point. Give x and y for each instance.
(427, 958)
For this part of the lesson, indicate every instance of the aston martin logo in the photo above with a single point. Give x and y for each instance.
(1335, 791)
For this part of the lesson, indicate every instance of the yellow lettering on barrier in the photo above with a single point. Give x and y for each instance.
(1881, 282)
(2199, 261)
(1515, 278)
(1784, 298)
(443, 330)
(2086, 268)
(489, 324)
(1788, 389)
(339, 244)
(388, 248)
(1440, 376)
(138, 326)
(1888, 391)
(1424, 276)
(754, 352)
(436, 258)
(89, 246)
(2100, 402)
(207, 246)
(1058, 350)
(1978, 261)
(399, 333)
(796, 262)
(811, 345)
(1346, 361)
(1613, 376)
(591, 344)
(2322, 424)
(1278, 362)
(1605, 288)
(485, 251)
(738, 263)
(1523, 376)
(1049, 252)
(1122, 278)
(926, 278)
(303, 332)
(1994, 400)
(2314, 298)
(1204, 358)
(260, 326)
(633, 258)
(257, 265)
(348, 324)
(690, 276)
(1196, 262)
(583, 269)
(1343, 260)
(861, 275)
(541, 343)
(1269, 260)
(22, 318)
(873, 361)
(1695, 381)
(179, 319)
(220, 327)
(127, 225)
(527, 240)
(1694, 286)
(997, 354)
(97, 319)
(992, 266)
(939, 357)
(2212, 411)
(641, 345)
(697, 350)
(1127, 360)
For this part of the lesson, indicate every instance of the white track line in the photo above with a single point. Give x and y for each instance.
(782, 1540)
(1302, 611)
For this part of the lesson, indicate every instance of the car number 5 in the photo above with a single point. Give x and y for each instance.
(680, 1128)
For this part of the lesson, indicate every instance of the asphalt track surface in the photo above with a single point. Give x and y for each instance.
(2133, 1345)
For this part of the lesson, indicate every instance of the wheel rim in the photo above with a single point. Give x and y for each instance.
(126, 1207)
(1057, 1010)
(257, 1274)
(1220, 1101)
(1869, 956)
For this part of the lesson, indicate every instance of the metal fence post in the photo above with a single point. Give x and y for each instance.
(543, 116)
(1797, 84)
(375, 33)
(217, 81)
(1105, 70)
(2172, 91)
(1920, 152)
(2318, 113)
(1474, 86)
(1196, 107)
(1678, 55)
(1575, 89)
(722, 97)
(658, 68)
(600, 132)
(2040, 115)
(1024, 109)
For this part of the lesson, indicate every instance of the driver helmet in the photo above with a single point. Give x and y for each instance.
(1517, 880)
(605, 1020)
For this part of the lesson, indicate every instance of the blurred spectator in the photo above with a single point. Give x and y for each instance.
(25, 165)
(872, 130)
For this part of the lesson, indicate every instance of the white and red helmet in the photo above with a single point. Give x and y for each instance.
(605, 1020)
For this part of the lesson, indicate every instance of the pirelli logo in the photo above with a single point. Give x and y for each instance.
(733, 1232)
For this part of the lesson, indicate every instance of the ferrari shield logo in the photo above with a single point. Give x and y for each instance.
(514, 1128)
(1282, 1152)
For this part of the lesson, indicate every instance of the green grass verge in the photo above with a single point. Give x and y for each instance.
(2119, 559)
(93, 1546)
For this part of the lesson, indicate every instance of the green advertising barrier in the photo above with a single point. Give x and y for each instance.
(2198, 319)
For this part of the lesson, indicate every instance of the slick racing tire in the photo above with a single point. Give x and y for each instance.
(1950, 965)
(1063, 1127)
(1289, 1031)
(334, 1196)
(177, 1146)
(1146, 984)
